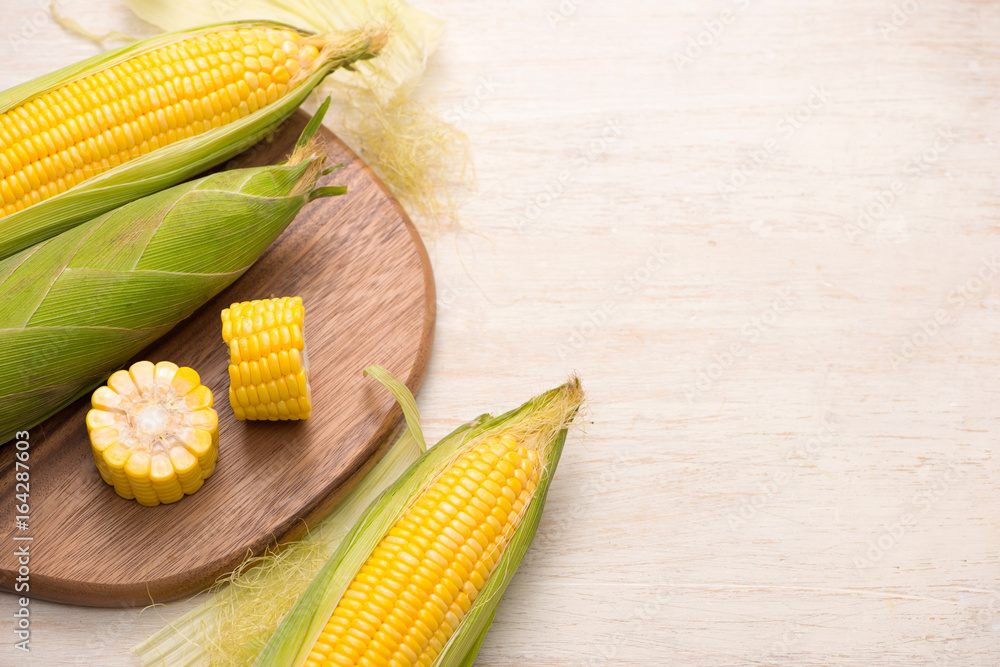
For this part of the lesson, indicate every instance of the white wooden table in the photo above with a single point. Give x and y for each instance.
(766, 235)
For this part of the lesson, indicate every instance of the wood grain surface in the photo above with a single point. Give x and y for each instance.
(368, 291)
(599, 241)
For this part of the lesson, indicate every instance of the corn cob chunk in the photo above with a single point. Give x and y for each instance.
(180, 90)
(153, 432)
(422, 578)
(268, 369)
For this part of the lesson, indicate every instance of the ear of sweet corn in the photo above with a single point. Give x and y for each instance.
(98, 134)
(419, 578)
(78, 306)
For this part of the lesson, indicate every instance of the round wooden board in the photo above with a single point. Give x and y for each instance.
(366, 281)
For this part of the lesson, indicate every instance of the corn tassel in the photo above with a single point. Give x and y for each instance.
(78, 306)
(85, 139)
(419, 578)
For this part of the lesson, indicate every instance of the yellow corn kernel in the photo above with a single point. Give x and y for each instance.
(153, 432)
(417, 585)
(268, 368)
(162, 96)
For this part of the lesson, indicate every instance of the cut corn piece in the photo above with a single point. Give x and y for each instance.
(421, 580)
(268, 368)
(153, 432)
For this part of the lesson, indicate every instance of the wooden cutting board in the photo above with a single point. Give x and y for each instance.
(366, 281)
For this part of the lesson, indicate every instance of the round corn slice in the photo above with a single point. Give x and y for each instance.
(268, 368)
(153, 432)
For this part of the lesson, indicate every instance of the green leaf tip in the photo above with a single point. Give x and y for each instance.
(405, 399)
(330, 191)
(313, 126)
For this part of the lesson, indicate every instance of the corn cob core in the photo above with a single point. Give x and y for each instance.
(153, 432)
(180, 90)
(422, 578)
(268, 369)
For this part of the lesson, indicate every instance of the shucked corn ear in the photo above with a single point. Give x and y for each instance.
(268, 368)
(423, 577)
(82, 140)
(153, 432)
(418, 579)
(78, 306)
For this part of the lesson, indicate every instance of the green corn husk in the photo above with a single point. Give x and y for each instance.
(170, 164)
(78, 306)
(231, 627)
(541, 424)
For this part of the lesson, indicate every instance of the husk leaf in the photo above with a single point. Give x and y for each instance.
(231, 627)
(79, 305)
(163, 167)
(542, 422)
(403, 396)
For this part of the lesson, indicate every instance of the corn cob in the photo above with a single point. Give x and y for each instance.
(268, 369)
(80, 141)
(418, 579)
(78, 306)
(153, 432)
(418, 584)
